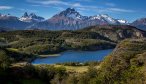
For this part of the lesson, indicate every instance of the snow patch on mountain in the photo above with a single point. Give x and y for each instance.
(122, 21)
(109, 19)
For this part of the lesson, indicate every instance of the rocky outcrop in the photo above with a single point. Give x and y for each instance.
(118, 33)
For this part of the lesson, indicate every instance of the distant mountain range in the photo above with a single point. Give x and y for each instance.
(68, 19)
(140, 23)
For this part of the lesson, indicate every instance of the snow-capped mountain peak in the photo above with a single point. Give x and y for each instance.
(70, 13)
(32, 17)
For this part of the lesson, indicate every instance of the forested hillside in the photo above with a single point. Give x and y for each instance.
(125, 65)
(91, 38)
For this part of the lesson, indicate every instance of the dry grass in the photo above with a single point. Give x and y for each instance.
(13, 49)
(49, 55)
(70, 69)
(77, 69)
(19, 64)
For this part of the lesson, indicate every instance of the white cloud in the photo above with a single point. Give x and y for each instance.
(120, 10)
(5, 7)
(55, 2)
(49, 2)
(79, 6)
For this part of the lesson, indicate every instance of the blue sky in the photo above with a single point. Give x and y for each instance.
(121, 9)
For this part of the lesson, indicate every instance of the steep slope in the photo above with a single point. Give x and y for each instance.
(140, 23)
(126, 65)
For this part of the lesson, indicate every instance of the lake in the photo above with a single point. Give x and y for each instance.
(74, 56)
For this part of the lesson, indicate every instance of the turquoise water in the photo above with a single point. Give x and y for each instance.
(74, 56)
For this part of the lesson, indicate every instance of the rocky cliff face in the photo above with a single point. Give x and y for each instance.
(126, 61)
(117, 33)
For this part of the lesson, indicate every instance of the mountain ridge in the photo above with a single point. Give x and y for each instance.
(68, 19)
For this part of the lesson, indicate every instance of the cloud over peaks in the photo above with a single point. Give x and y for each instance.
(5, 7)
